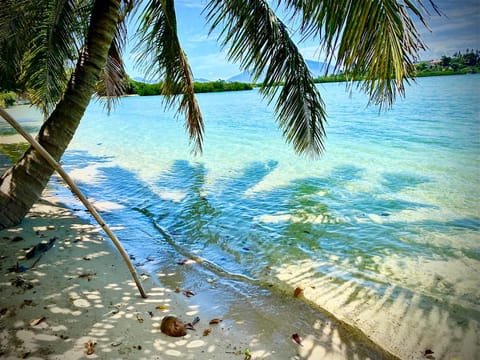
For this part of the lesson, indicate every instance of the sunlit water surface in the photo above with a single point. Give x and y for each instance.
(391, 208)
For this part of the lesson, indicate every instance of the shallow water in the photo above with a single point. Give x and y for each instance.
(390, 211)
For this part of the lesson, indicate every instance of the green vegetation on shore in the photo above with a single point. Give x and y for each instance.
(458, 64)
(145, 89)
(7, 98)
(13, 151)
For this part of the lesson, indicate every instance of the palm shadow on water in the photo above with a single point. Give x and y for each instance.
(314, 231)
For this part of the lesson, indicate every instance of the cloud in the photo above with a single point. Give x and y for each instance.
(457, 29)
(192, 4)
(313, 52)
(213, 66)
(199, 39)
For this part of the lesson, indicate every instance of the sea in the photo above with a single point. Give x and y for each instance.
(385, 224)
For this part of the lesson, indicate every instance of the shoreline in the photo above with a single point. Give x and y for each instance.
(80, 291)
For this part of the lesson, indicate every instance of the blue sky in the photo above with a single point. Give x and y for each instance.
(458, 30)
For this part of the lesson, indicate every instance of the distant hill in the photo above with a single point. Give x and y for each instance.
(242, 77)
(316, 67)
(201, 80)
(143, 80)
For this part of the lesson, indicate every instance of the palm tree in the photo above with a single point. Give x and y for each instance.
(63, 51)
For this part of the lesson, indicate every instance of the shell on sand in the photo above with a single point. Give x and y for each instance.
(173, 326)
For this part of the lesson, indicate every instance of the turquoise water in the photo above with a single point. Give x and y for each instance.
(393, 187)
(393, 202)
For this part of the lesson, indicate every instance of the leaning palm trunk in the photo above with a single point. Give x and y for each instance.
(51, 161)
(22, 185)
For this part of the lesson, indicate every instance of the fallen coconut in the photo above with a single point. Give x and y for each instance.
(172, 326)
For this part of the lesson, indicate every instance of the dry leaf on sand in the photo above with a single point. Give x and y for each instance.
(37, 321)
(188, 293)
(296, 338)
(90, 346)
(298, 291)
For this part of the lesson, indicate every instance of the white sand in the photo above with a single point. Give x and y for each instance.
(401, 321)
(83, 292)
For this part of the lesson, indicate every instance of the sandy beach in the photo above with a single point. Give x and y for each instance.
(79, 292)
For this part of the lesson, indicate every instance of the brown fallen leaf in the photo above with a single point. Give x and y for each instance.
(296, 338)
(188, 293)
(161, 307)
(207, 332)
(298, 291)
(215, 321)
(90, 346)
(428, 354)
(87, 275)
(177, 290)
(37, 321)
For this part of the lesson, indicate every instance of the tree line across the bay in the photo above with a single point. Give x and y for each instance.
(467, 62)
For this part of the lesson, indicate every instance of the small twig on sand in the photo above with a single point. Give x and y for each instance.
(36, 261)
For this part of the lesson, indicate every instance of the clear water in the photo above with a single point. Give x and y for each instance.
(394, 201)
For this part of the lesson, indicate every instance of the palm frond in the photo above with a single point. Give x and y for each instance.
(15, 31)
(54, 46)
(114, 78)
(259, 41)
(164, 58)
(373, 39)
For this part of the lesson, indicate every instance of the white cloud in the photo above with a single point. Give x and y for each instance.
(213, 66)
(192, 3)
(313, 53)
(458, 29)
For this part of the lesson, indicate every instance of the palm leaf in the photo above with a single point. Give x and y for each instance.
(53, 48)
(114, 78)
(15, 29)
(373, 39)
(163, 58)
(260, 42)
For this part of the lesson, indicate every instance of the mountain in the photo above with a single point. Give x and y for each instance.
(243, 77)
(143, 80)
(316, 67)
(201, 80)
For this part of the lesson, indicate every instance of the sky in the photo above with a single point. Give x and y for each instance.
(457, 30)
